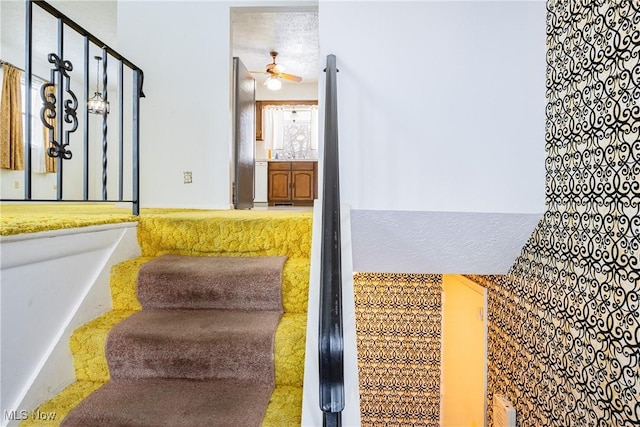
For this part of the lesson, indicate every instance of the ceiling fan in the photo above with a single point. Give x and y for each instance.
(275, 72)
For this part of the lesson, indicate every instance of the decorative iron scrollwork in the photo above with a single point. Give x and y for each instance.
(48, 113)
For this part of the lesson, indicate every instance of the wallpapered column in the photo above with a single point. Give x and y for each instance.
(564, 324)
(398, 324)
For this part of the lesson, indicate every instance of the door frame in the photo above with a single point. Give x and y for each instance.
(243, 136)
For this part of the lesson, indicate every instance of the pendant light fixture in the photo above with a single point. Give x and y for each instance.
(97, 104)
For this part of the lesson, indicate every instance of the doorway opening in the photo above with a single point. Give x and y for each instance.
(256, 33)
(464, 352)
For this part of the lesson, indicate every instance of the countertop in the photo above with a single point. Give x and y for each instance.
(286, 160)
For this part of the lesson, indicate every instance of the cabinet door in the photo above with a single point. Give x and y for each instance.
(279, 186)
(303, 181)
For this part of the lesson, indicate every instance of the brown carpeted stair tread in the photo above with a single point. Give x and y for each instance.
(175, 403)
(176, 281)
(201, 352)
(195, 344)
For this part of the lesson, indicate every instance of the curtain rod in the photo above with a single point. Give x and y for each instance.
(292, 106)
(3, 62)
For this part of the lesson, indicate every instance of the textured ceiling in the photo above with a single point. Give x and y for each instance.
(293, 33)
(438, 242)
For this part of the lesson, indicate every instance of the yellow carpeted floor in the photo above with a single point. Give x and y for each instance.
(189, 232)
(31, 218)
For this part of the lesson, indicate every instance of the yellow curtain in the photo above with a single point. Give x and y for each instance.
(49, 162)
(11, 137)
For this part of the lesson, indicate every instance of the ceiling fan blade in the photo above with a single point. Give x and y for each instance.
(290, 77)
(259, 72)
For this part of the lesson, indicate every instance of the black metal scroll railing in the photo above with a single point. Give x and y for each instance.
(60, 109)
(331, 353)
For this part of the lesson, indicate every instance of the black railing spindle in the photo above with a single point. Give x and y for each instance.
(60, 116)
(85, 132)
(28, 81)
(135, 143)
(105, 129)
(120, 130)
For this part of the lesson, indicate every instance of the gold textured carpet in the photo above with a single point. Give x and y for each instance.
(187, 232)
(31, 218)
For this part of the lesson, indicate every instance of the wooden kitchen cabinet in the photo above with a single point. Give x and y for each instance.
(292, 183)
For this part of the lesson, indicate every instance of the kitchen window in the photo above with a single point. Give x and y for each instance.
(290, 131)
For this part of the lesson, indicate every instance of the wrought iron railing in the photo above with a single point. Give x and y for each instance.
(331, 346)
(60, 108)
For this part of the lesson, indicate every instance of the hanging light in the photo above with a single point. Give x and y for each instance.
(97, 104)
(273, 83)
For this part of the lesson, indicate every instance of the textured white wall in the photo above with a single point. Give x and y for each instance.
(441, 104)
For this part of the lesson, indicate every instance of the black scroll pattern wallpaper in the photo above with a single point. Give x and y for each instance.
(564, 324)
(398, 324)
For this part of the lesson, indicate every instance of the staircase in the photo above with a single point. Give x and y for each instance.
(176, 379)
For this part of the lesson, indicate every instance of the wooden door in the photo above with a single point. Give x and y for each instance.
(244, 90)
